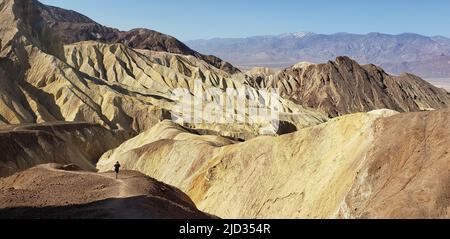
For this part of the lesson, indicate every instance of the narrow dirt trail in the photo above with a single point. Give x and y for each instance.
(123, 191)
(57, 191)
(123, 188)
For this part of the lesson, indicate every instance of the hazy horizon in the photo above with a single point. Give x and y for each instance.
(317, 33)
(192, 20)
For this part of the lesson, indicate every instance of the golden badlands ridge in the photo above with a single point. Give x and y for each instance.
(353, 141)
(379, 164)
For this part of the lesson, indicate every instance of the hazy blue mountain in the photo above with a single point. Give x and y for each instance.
(422, 55)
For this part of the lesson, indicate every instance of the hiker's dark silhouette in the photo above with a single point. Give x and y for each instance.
(117, 169)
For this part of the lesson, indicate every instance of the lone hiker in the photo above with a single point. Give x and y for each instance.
(117, 168)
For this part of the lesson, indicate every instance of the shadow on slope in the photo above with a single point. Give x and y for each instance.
(138, 207)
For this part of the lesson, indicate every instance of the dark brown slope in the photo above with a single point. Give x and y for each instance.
(56, 191)
(28, 145)
(343, 86)
(407, 174)
(72, 27)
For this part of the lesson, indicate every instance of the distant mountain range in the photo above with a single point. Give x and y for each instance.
(425, 56)
(346, 140)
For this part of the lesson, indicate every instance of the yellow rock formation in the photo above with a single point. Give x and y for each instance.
(349, 167)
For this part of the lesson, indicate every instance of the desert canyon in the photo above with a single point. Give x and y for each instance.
(76, 97)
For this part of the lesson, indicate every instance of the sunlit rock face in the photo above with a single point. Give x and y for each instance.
(379, 164)
(117, 86)
(310, 141)
(343, 86)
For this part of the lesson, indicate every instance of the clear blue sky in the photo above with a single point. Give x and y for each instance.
(195, 19)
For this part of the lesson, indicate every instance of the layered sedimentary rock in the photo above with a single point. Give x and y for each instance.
(378, 164)
(72, 27)
(29, 145)
(408, 170)
(368, 165)
(110, 84)
(124, 88)
(343, 86)
(55, 191)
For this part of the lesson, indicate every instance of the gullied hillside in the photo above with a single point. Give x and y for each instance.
(29, 145)
(343, 86)
(368, 165)
(125, 88)
(109, 84)
(54, 191)
(58, 65)
(72, 27)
